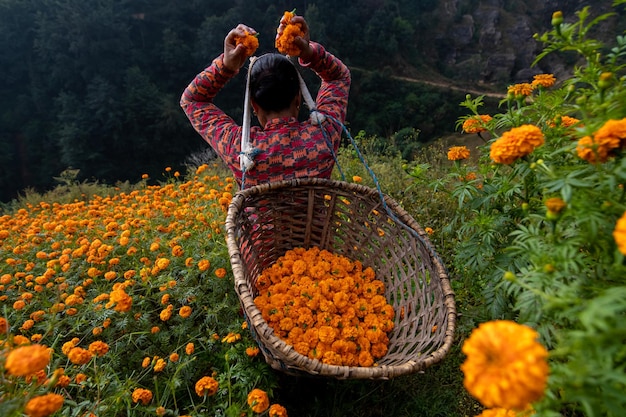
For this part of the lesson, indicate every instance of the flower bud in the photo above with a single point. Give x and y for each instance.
(605, 80)
(509, 276)
(557, 18)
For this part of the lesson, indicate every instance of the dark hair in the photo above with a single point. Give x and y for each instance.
(273, 82)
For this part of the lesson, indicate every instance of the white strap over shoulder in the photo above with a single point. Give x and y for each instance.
(246, 156)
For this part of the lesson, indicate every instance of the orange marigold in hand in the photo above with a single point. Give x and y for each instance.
(44, 405)
(476, 124)
(27, 360)
(457, 153)
(285, 43)
(258, 400)
(505, 366)
(206, 386)
(516, 143)
(144, 396)
(249, 41)
(619, 234)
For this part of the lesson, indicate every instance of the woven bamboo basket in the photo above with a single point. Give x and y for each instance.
(265, 221)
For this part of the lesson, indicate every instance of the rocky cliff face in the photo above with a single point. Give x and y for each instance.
(491, 41)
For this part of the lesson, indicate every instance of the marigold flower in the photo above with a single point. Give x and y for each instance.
(4, 325)
(144, 396)
(476, 124)
(520, 90)
(44, 405)
(120, 300)
(594, 150)
(220, 272)
(258, 400)
(516, 143)
(159, 365)
(189, 349)
(456, 153)
(543, 80)
(285, 43)
(277, 410)
(505, 366)
(27, 360)
(357, 179)
(63, 381)
(555, 205)
(619, 234)
(252, 351)
(79, 356)
(146, 362)
(203, 265)
(249, 41)
(99, 348)
(166, 313)
(231, 338)
(80, 378)
(206, 386)
(174, 357)
(185, 311)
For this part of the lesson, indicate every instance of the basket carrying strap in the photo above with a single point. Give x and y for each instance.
(246, 156)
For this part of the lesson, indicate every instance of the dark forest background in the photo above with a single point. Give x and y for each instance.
(94, 85)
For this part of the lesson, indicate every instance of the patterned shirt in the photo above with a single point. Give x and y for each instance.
(286, 148)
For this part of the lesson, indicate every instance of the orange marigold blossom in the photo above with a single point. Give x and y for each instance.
(43, 405)
(190, 348)
(285, 41)
(619, 234)
(476, 124)
(249, 41)
(277, 410)
(206, 386)
(99, 348)
(220, 272)
(543, 80)
(505, 365)
(258, 400)
(252, 351)
(456, 153)
(516, 143)
(520, 90)
(27, 360)
(79, 356)
(142, 395)
(555, 205)
(185, 311)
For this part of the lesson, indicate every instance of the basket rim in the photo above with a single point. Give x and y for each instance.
(314, 366)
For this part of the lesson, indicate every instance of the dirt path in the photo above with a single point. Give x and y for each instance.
(444, 85)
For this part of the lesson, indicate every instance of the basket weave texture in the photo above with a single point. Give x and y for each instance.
(265, 221)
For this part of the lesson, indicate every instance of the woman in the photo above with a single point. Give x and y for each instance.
(284, 148)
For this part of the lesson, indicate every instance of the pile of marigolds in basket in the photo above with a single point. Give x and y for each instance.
(326, 306)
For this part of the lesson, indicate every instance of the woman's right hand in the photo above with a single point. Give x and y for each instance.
(234, 55)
